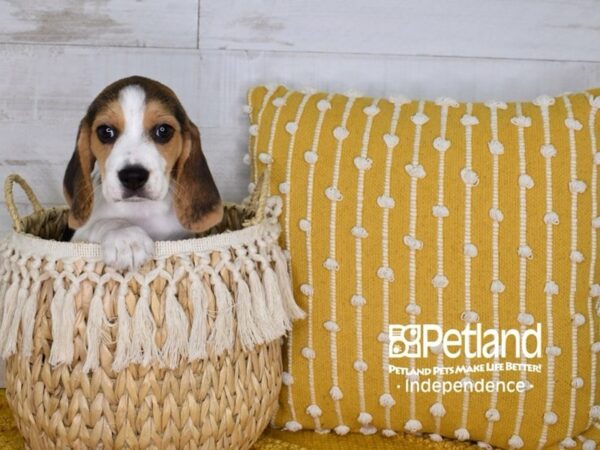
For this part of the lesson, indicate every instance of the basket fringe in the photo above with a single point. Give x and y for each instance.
(221, 335)
(5, 273)
(292, 310)
(15, 298)
(96, 319)
(280, 322)
(28, 317)
(10, 344)
(250, 282)
(58, 350)
(178, 325)
(259, 305)
(248, 332)
(122, 354)
(65, 345)
(199, 332)
(143, 327)
(4, 285)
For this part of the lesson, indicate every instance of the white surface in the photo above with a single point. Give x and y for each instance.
(55, 57)
(533, 29)
(132, 23)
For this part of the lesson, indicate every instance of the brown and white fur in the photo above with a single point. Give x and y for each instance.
(138, 173)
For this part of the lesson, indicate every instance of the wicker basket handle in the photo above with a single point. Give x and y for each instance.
(10, 199)
(258, 199)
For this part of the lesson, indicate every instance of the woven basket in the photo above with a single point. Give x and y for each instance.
(183, 354)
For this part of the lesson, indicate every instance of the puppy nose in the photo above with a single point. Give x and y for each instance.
(133, 177)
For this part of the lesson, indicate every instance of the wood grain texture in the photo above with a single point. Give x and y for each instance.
(42, 98)
(131, 23)
(536, 29)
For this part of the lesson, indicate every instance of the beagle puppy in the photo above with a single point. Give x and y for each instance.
(138, 174)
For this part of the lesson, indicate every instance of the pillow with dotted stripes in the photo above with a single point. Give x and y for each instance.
(446, 254)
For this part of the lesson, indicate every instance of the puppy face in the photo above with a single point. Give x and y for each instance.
(145, 147)
(135, 141)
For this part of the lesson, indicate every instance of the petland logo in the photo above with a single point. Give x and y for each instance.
(419, 340)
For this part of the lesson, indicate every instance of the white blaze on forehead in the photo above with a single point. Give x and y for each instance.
(133, 103)
(133, 147)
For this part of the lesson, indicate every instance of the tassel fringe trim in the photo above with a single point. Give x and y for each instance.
(240, 293)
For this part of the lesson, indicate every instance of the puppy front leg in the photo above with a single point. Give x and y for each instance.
(124, 246)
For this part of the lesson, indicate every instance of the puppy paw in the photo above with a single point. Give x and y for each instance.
(127, 248)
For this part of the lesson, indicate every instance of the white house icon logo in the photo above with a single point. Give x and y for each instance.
(418, 340)
(406, 341)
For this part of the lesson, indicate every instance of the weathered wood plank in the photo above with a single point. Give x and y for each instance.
(133, 23)
(536, 29)
(40, 83)
(223, 148)
(42, 100)
(466, 79)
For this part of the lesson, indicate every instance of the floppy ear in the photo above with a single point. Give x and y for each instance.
(77, 182)
(197, 201)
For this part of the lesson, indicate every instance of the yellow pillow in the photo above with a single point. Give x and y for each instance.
(422, 217)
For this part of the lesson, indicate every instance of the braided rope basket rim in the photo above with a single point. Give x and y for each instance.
(199, 363)
(254, 226)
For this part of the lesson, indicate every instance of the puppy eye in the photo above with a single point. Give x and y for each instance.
(162, 133)
(106, 134)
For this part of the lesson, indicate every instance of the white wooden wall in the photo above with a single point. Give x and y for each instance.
(56, 56)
